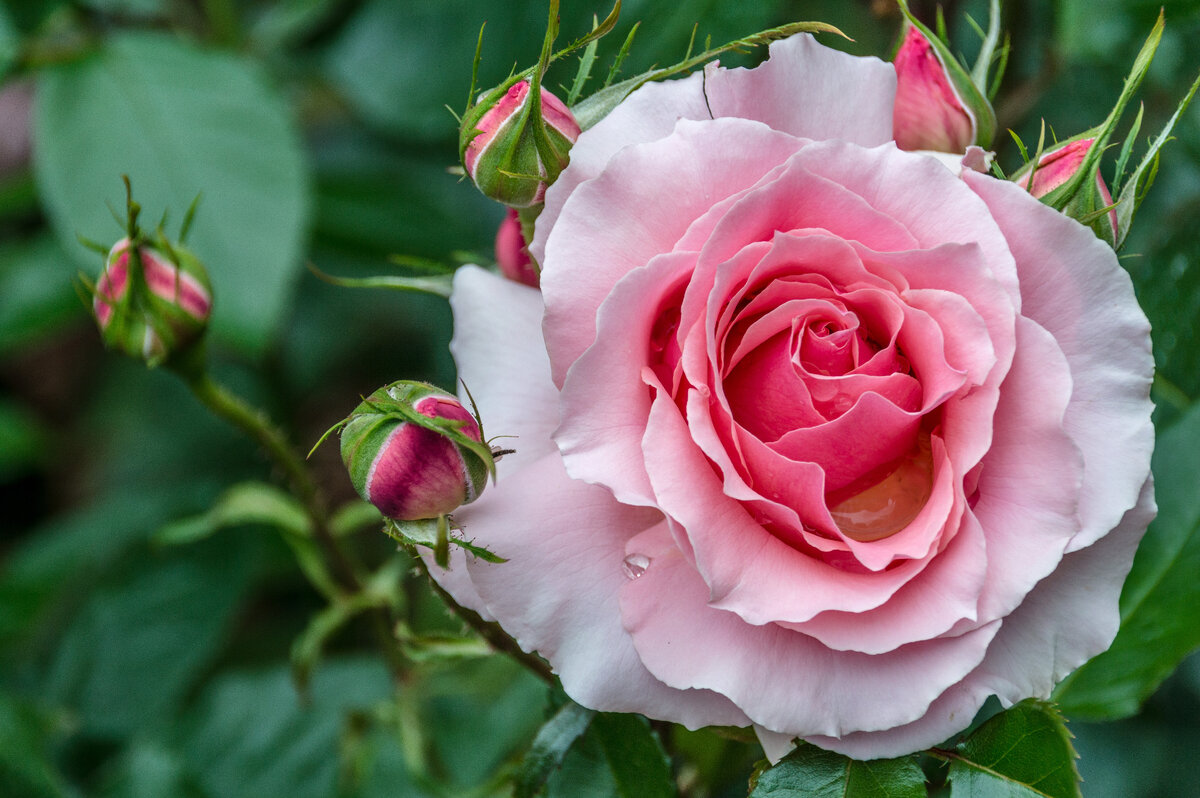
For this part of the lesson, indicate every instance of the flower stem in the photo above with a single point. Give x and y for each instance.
(259, 428)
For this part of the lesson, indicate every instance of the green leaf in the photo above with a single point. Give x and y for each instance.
(438, 284)
(37, 297)
(458, 699)
(10, 42)
(55, 566)
(243, 504)
(354, 516)
(129, 656)
(252, 736)
(1158, 625)
(179, 121)
(381, 590)
(618, 757)
(149, 769)
(814, 772)
(435, 646)
(22, 440)
(25, 767)
(550, 747)
(1024, 752)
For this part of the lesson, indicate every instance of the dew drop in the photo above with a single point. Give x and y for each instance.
(635, 565)
(891, 504)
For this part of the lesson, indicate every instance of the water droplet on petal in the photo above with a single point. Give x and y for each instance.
(891, 504)
(635, 565)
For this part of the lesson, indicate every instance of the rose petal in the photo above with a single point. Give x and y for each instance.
(557, 594)
(501, 360)
(1072, 284)
(812, 690)
(606, 229)
(810, 91)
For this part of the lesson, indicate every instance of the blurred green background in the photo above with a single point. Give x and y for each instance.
(317, 131)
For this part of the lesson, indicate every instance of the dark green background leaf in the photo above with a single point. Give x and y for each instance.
(179, 121)
(812, 771)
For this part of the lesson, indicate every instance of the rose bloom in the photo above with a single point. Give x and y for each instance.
(812, 434)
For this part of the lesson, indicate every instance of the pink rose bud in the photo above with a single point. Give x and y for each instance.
(930, 112)
(152, 301)
(513, 148)
(415, 452)
(512, 254)
(1057, 167)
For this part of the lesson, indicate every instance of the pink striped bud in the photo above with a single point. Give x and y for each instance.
(931, 112)
(415, 452)
(1057, 167)
(513, 147)
(512, 254)
(151, 301)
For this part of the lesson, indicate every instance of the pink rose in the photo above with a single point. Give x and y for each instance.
(812, 433)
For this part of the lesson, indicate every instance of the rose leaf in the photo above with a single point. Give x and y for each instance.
(1024, 752)
(618, 756)
(812, 771)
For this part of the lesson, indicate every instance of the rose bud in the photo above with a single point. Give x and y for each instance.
(937, 106)
(415, 452)
(1056, 167)
(513, 145)
(512, 255)
(154, 304)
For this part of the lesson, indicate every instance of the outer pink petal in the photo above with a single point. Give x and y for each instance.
(809, 90)
(502, 361)
(1073, 286)
(610, 226)
(1069, 617)
(558, 592)
(649, 114)
(605, 403)
(783, 680)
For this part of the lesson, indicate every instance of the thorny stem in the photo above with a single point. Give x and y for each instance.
(491, 631)
(259, 428)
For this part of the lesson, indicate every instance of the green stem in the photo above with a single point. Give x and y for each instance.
(259, 428)
(490, 631)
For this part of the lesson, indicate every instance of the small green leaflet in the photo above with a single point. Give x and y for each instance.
(1025, 752)
(812, 772)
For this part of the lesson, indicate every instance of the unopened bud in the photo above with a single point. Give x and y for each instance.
(937, 107)
(512, 254)
(1055, 168)
(513, 147)
(152, 300)
(415, 452)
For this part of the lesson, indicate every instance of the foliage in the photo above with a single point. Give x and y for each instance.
(169, 625)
